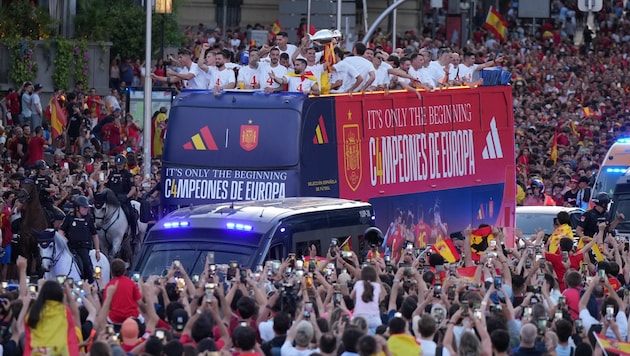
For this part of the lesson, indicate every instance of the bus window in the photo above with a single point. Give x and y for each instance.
(276, 252)
(303, 247)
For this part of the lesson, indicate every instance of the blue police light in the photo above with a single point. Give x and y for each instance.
(175, 224)
(623, 140)
(239, 226)
(616, 170)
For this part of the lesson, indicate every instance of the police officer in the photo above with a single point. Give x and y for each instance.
(78, 228)
(45, 185)
(588, 225)
(120, 181)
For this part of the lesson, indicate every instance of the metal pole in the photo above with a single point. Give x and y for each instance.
(148, 93)
(308, 18)
(339, 15)
(394, 29)
(224, 18)
(380, 18)
(435, 22)
(365, 16)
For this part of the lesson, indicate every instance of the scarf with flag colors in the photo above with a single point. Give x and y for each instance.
(55, 333)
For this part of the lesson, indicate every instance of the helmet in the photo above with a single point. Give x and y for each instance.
(41, 164)
(82, 201)
(602, 199)
(537, 183)
(373, 235)
(120, 159)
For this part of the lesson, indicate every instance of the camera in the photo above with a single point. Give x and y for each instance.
(451, 293)
(332, 247)
(602, 275)
(465, 308)
(527, 312)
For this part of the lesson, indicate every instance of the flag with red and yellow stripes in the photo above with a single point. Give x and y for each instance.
(496, 24)
(447, 250)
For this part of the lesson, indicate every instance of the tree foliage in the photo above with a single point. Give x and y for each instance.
(123, 23)
(20, 20)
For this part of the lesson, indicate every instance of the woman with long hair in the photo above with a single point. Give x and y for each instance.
(50, 328)
(367, 296)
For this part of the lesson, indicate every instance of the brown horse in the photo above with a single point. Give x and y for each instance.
(33, 218)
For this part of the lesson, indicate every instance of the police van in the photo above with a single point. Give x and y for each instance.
(251, 232)
(614, 165)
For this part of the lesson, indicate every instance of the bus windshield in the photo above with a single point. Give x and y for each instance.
(607, 180)
(267, 139)
(228, 245)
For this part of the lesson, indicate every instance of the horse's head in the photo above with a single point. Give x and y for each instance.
(46, 244)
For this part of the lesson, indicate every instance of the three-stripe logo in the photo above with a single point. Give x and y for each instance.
(492, 149)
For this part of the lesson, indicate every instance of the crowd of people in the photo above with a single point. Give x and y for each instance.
(545, 295)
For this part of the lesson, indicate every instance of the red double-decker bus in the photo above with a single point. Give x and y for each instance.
(429, 166)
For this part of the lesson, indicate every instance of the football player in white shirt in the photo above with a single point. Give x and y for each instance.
(269, 85)
(250, 76)
(282, 43)
(344, 78)
(190, 76)
(299, 80)
(225, 78)
(362, 65)
(209, 67)
(418, 71)
(468, 67)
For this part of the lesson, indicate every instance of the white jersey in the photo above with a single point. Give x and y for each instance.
(198, 81)
(290, 50)
(347, 73)
(466, 73)
(317, 71)
(422, 75)
(299, 84)
(224, 77)
(211, 76)
(251, 76)
(382, 75)
(363, 66)
(437, 72)
(279, 71)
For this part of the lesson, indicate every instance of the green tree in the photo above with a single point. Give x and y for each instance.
(20, 20)
(123, 23)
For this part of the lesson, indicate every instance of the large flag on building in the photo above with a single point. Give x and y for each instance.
(496, 24)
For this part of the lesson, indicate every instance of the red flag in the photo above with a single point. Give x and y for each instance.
(57, 118)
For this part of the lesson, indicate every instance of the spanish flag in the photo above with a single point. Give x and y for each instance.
(57, 118)
(614, 346)
(55, 333)
(447, 250)
(554, 147)
(346, 245)
(587, 112)
(496, 24)
(480, 240)
(306, 75)
(275, 28)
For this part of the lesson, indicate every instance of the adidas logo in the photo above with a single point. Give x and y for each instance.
(493, 149)
(321, 136)
(202, 141)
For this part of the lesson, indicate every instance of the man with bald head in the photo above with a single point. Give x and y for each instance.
(530, 344)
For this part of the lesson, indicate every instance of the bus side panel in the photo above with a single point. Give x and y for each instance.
(427, 217)
(318, 167)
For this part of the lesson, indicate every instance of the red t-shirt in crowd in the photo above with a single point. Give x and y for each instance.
(558, 266)
(572, 295)
(13, 103)
(35, 149)
(125, 302)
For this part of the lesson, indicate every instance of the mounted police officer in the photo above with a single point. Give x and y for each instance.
(120, 181)
(78, 228)
(45, 186)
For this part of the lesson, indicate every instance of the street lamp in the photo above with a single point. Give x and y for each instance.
(163, 7)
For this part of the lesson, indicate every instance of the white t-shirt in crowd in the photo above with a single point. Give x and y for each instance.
(381, 75)
(198, 81)
(361, 307)
(621, 319)
(436, 71)
(289, 350)
(422, 75)
(429, 347)
(290, 50)
(466, 73)
(251, 76)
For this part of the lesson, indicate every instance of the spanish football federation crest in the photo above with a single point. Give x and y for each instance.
(249, 137)
(352, 155)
